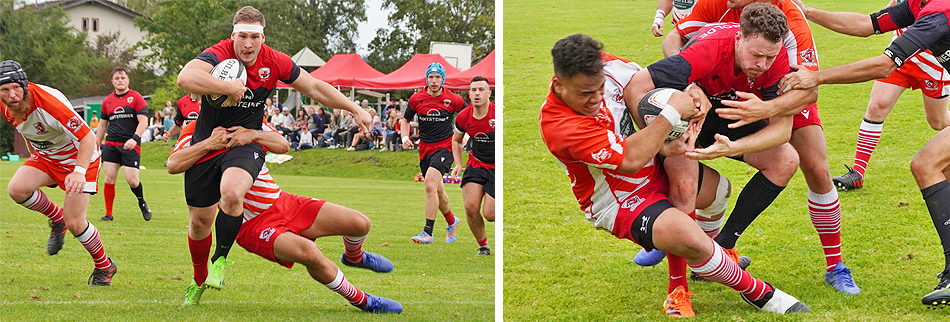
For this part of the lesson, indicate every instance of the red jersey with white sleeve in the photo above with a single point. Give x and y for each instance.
(709, 61)
(482, 133)
(121, 111)
(799, 42)
(263, 193)
(187, 110)
(54, 130)
(270, 66)
(590, 151)
(435, 119)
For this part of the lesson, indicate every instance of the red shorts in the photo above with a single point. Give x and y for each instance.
(637, 209)
(808, 116)
(930, 88)
(289, 213)
(59, 172)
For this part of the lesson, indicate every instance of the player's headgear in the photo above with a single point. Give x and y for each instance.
(11, 72)
(437, 69)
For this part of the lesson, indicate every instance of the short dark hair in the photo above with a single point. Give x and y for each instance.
(479, 79)
(577, 54)
(763, 19)
(118, 70)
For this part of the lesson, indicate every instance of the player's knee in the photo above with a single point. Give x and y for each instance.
(922, 165)
(361, 224)
(489, 215)
(472, 208)
(938, 123)
(787, 161)
(231, 197)
(19, 193)
(432, 187)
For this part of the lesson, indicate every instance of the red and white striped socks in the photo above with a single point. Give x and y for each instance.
(868, 136)
(353, 248)
(343, 287)
(825, 213)
(90, 240)
(39, 202)
(720, 269)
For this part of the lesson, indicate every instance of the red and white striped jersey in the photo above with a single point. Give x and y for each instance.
(590, 152)
(923, 66)
(617, 73)
(263, 193)
(682, 8)
(52, 127)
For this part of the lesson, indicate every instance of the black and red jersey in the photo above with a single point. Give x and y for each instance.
(928, 27)
(121, 111)
(262, 77)
(482, 133)
(187, 110)
(435, 118)
(709, 61)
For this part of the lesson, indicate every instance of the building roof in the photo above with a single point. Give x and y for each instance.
(67, 4)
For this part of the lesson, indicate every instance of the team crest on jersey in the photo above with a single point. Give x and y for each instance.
(447, 102)
(40, 129)
(73, 123)
(491, 123)
(930, 85)
(632, 203)
(129, 99)
(808, 57)
(601, 155)
(263, 73)
(118, 110)
(192, 115)
(267, 233)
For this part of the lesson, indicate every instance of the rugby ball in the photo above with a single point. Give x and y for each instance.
(228, 69)
(652, 104)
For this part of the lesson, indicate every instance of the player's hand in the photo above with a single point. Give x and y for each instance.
(456, 170)
(802, 6)
(801, 79)
(129, 144)
(723, 147)
(235, 92)
(657, 29)
(746, 112)
(165, 136)
(237, 136)
(406, 143)
(702, 102)
(362, 119)
(74, 183)
(218, 139)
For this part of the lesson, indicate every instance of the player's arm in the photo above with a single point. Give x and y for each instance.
(849, 23)
(777, 132)
(752, 109)
(663, 8)
(672, 43)
(322, 92)
(196, 78)
(175, 129)
(457, 152)
(641, 146)
(864, 70)
(77, 179)
(101, 129)
(272, 140)
(184, 158)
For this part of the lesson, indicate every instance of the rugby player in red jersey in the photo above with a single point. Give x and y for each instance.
(478, 183)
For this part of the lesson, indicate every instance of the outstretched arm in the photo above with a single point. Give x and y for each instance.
(849, 23)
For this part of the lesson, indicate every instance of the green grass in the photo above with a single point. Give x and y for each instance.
(438, 282)
(559, 268)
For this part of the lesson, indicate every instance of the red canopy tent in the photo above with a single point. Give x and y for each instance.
(343, 70)
(409, 76)
(461, 80)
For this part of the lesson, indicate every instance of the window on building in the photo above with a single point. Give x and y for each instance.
(95, 24)
(85, 24)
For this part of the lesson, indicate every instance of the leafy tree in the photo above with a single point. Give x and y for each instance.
(416, 23)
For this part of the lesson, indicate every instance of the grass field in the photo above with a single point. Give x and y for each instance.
(438, 282)
(557, 267)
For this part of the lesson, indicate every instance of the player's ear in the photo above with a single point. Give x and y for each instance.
(558, 85)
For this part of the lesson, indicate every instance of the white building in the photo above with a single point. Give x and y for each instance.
(100, 17)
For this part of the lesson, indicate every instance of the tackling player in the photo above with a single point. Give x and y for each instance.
(927, 28)
(923, 72)
(124, 118)
(478, 183)
(620, 183)
(434, 106)
(226, 175)
(281, 226)
(63, 152)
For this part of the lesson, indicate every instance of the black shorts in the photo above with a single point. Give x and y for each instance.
(203, 180)
(642, 227)
(482, 176)
(441, 160)
(116, 154)
(716, 125)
